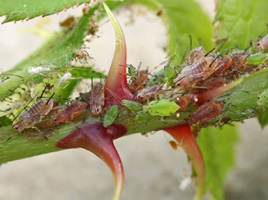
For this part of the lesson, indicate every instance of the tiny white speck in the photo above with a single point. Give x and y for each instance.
(185, 182)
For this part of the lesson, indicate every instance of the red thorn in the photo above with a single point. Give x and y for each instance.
(186, 137)
(116, 83)
(99, 140)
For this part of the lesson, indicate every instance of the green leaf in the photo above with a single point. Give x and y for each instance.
(217, 146)
(239, 22)
(182, 18)
(263, 118)
(86, 72)
(20, 9)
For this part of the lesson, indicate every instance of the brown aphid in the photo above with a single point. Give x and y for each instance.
(206, 111)
(137, 82)
(196, 72)
(96, 99)
(68, 112)
(82, 56)
(148, 93)
(173, 144)
(69, 22)
(223, 64)
(214, 82)
(184, 101)
(262, 45)
(195, 54)
(34, 114)
(85, 97)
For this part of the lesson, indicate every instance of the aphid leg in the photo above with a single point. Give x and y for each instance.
(209, 52)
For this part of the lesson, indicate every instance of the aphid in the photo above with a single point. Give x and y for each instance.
(85, 97)
(223, 64)
(262, 45)
(195, 54)
(64, 78)
(142, 116)
(163, 107)
(69, 22)
(81, 56)
(184, 101)
(206, 111)
(37, 70)
(131, 105)
(148, 93)
(239, 59)
(110, 115)
(34, 114)
(68, 112)
(195, 72)
(256, 59)
(263, 98)
(169, 74)
(214, 82)
(173, 144)
(140, 78)
(96, 99)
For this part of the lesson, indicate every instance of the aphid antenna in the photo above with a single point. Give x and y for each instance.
(209, 52)
(191, 42)
(184, 56)
(213, 61)
(165, 63)
(25, 107)
(50, 98)
(43, 91)
(114, 94)
(13, 75)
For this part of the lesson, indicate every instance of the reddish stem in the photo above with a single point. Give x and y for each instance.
(186, 138)
(99, 140)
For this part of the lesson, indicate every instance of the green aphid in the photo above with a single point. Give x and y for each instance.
(132, 105)
(142, 116)
(263, 98)
(163, 108)
(169, 72)
(110, 115)
(256, 59)
(131, 71)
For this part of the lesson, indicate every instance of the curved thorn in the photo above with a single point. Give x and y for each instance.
(184, 136)
(99, 140)
(116, 82)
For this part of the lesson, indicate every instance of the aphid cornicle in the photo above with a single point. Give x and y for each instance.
(96, 99)
(262, 45)
(206, 111)
(148, 93)
(34, 114)
(195, 72)
(68, 112)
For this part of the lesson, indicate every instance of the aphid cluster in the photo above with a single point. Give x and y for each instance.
(201, 72)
